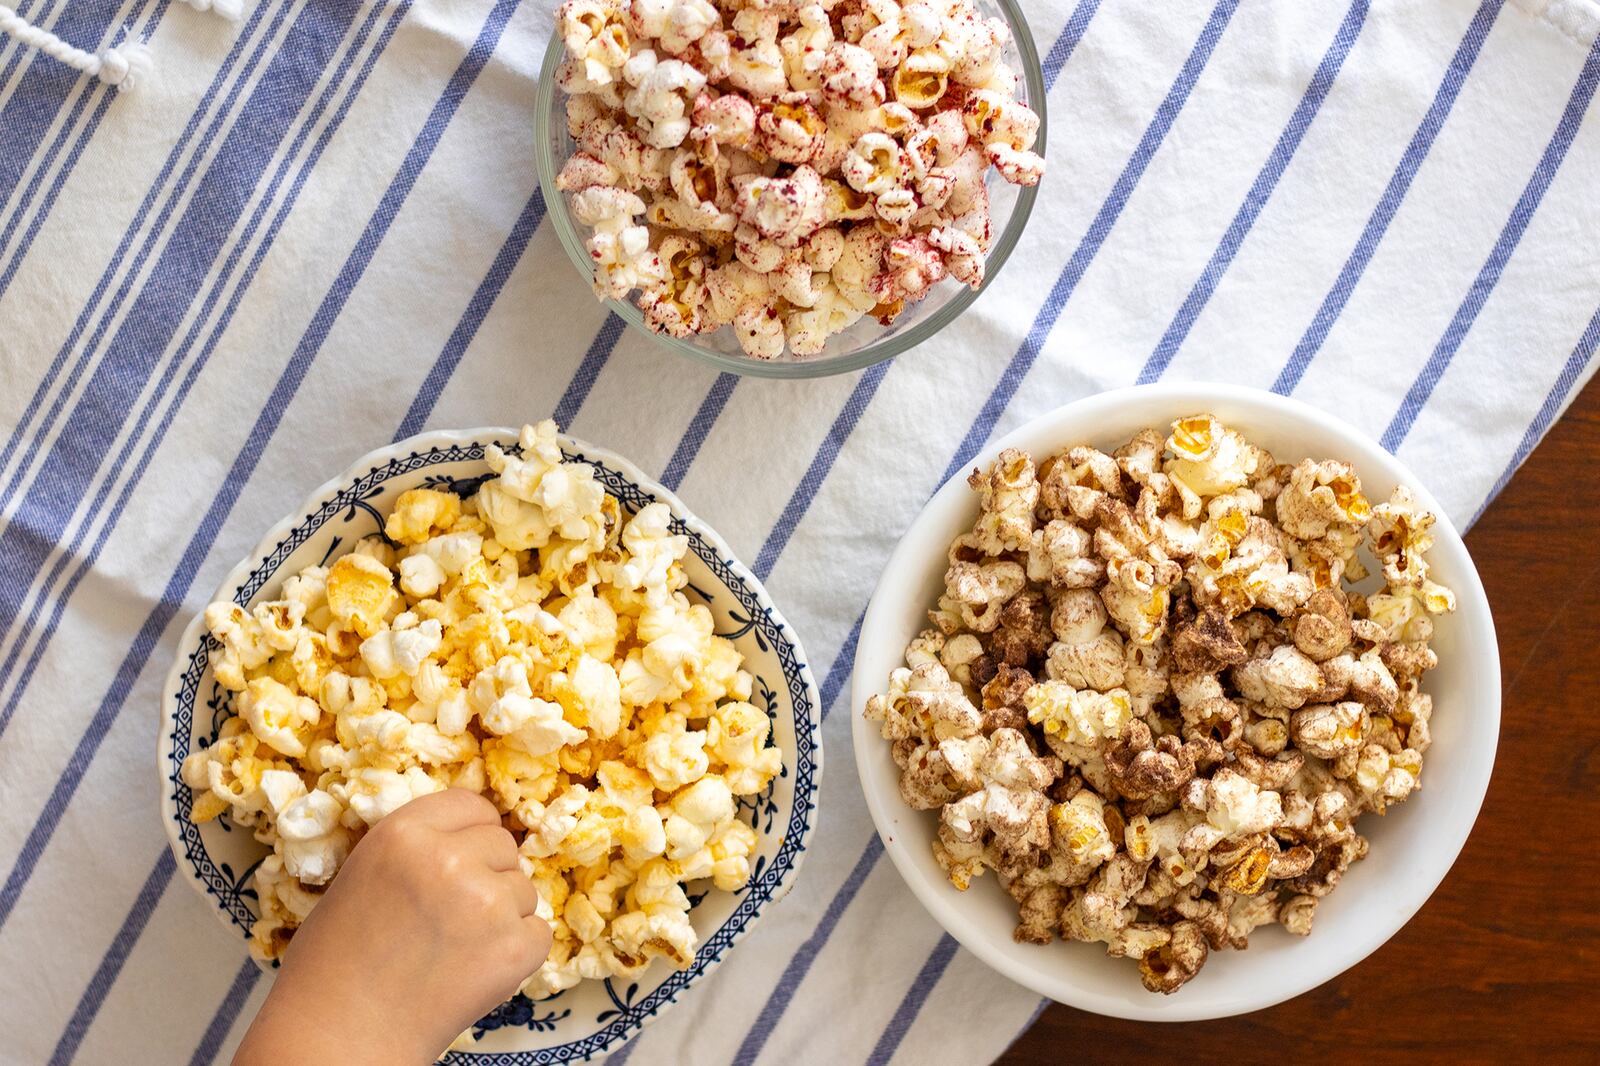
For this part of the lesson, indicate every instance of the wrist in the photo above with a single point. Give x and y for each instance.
(325, 1018)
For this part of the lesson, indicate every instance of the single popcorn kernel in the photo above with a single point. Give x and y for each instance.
(421, 513)
(918, 88)
(1248, 876)
(1348, 496)
(360, 593)
(1192, 436)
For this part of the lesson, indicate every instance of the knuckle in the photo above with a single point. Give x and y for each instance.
(484, 900)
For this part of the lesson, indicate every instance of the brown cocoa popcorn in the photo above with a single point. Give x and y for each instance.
(1151, 702)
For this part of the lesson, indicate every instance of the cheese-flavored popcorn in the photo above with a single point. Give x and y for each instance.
(397, 652)
(421, 513)
(673, 754)
(737, 734)
(360, 591)
(277, 715)
(705, 120)
(1151, 702)
(528, 650)
(244, 646)
(312, 840)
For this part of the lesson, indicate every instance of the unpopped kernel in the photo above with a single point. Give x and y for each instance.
(1151, 703)
(728, 155)
(528, 643)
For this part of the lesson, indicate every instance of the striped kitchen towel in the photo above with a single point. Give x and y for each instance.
(317, 229)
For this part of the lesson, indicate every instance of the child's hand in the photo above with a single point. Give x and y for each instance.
(428, 926)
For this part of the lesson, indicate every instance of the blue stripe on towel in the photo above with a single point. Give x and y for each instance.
(153, 317)
(80, 137)
(377, 227)
(594, 361)
(821, 465)
(800, 962)
(105, 975)
(699, 427)
(505, 261)
(1099, 230)
(175, 400)
(1105, 218)
(1260, 192)
(46, 85)
(911, 1004)
(1455, 76)
(221, 1024)
(244, 464)
(1066, 41)
(173, 196)
(1582, 352)
(19, 53)
(1543, 174)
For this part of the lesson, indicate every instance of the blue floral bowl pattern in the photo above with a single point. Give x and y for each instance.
(594, 1017)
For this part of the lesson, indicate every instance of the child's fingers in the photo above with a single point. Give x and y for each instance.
(527, 948)
(455, 808)
(492, 844)
(539, 934)
(523, 895)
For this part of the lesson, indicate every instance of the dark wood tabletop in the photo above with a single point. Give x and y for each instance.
(1500, 964)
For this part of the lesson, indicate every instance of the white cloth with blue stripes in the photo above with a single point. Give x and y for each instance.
(318, 230)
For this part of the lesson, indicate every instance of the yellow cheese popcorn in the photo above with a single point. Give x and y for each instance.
(360, 593)
(277, 716)
(421, 513)
(532, 643)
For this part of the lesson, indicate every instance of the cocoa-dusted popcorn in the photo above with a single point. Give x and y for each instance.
(787, 167)
(1151, 702)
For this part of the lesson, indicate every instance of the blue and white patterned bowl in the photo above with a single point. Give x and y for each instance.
(594, 1017)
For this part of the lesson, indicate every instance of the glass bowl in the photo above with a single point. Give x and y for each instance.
(867, 341)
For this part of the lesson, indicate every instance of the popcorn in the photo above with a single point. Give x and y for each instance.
(421, 513)
(921, 79)
(401, 652)
(537, 647)
(277, 715)
(360, 591)
(594, 36)
(312, 842)
(704, 123)
(620, 248)
(849, 76)
(1077, 717)
(737, 735)
(244, 646)
(658, 98)
(1149, 701)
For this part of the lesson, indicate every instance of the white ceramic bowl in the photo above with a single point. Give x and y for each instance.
(594, 1017)
(1412, 847)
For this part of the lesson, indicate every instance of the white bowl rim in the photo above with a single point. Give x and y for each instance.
(436, 439)
(943, 906)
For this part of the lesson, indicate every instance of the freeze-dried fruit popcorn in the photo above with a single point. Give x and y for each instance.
(711, 135)
(529, 642)
(1149, 701)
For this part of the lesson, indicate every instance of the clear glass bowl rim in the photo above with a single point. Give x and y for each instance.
(545, 107)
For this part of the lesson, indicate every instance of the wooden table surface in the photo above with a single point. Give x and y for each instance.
(1500, 963)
